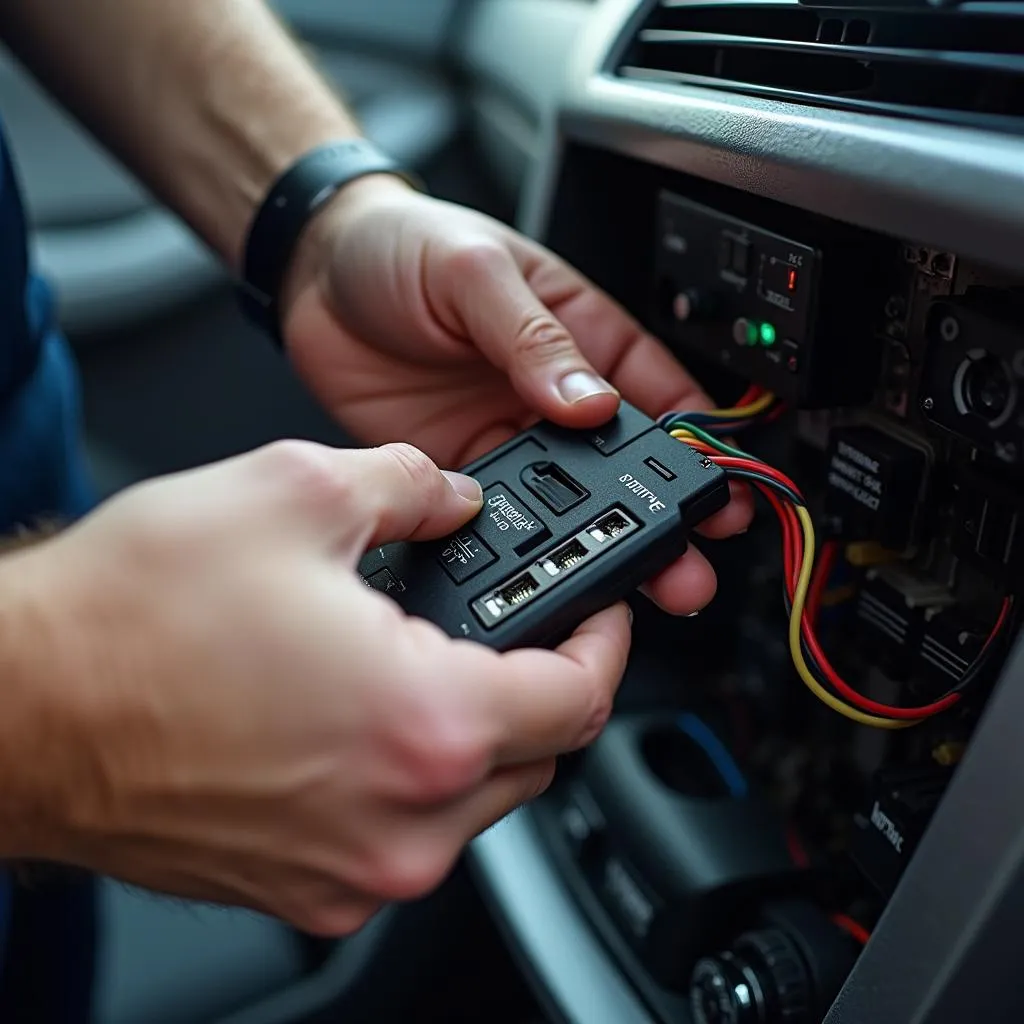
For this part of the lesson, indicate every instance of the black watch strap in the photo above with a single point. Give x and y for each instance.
(290, 204)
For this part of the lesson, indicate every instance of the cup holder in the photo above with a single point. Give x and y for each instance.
(688, 758)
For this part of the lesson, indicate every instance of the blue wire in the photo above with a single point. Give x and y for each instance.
(717, 753)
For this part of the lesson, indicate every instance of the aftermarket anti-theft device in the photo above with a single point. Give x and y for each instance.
(572, 522)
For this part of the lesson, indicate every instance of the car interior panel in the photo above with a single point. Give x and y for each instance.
(818, 207)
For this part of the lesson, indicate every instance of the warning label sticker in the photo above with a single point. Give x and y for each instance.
(857, 475)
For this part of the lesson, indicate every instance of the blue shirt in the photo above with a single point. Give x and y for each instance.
(41, 469)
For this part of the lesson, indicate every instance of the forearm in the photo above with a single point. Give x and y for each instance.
(34, 748)
(206, 100)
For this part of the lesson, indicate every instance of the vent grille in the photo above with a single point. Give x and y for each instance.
(960, 65)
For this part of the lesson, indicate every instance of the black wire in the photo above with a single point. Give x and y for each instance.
(970, 676)
(988, 652)
(974, 670)
(814, 665)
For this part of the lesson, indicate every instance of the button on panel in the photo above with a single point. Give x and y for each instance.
(626, 427)
(741, 257)
(385, 581)
(791, 355)
(463, 555)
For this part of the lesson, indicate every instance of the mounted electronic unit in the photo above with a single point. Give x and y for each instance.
(754, 301)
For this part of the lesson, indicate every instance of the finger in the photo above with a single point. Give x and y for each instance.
(510, 325)
(685, 587)
(542, 703)
(734, 518)
(639, 366)
(505, 790)
(394, 492)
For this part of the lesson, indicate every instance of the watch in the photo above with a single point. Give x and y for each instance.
(294, 198)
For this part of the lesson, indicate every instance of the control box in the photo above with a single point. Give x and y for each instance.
(572, 522)
(974, 374)
(873, 488)
(752, 301)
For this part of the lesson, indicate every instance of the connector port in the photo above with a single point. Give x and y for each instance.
(564, 558)
(548, 571)
(519, 590)
(609, 526)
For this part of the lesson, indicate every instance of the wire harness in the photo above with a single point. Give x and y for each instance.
(804, 580)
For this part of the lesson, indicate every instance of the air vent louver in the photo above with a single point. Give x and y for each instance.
(964, 65)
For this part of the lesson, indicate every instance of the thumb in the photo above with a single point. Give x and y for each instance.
(520, 335)
(395, 492)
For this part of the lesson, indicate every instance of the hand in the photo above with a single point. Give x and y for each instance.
(228, 713)
(413, 319)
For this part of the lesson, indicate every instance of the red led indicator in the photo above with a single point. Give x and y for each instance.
(791, 280)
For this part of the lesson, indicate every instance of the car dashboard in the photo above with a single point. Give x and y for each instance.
(818, 209)
(805, 807)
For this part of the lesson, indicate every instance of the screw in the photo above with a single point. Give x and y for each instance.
(927, 404)
(949, 328)
(682, 306)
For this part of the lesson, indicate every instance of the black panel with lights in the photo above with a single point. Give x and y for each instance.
(749, 299)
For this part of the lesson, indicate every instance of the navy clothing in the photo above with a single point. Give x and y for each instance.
(42, 475)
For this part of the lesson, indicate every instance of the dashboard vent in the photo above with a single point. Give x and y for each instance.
(963, 65)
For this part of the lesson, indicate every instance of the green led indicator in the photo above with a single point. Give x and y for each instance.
(751, 333)
(767, 334)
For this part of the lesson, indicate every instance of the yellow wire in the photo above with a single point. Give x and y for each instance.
(744, 411)
(796, 651)
(795, 620)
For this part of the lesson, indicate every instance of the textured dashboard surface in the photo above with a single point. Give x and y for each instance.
(949, 187)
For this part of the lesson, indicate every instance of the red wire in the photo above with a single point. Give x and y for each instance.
(789, 537)
(853, 928)
(752, 394)
(730, 462)
(822, 572)
(792, 537)
(807, 623)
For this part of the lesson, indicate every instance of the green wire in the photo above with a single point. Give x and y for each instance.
(710, 439)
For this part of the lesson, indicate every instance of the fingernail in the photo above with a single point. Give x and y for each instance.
(694, 615)
(581, 384)
(465, 486)
(629, 613)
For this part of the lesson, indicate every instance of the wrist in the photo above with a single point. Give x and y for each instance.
(313, 253)
(40, 767)
(309, 195)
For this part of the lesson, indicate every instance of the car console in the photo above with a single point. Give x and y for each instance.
(804, 808)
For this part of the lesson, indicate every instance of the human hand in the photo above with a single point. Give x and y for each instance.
(413, 319)
(221, 709)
